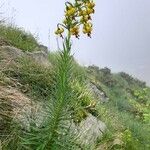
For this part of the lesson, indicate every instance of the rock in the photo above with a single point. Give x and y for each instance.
(9, 54)
(90, 130)
(100, 95)
(42, 48)
(40, 57)
(17, 106)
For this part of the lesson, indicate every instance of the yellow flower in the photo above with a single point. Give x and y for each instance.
(87, 29)
(75, 31)
(82, 13)
(71, 11)
(84, 18)
(59, 31)
(90, 4)
(90, 11)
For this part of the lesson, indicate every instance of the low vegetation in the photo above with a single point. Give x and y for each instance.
(127, 113)
(17, 37)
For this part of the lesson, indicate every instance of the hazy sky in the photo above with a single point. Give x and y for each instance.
(121, 37)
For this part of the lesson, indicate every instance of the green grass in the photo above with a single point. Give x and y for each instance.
(17, 37)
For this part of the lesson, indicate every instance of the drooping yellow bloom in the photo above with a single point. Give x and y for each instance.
(59, 31)
(89, 11)
(87, 29)
(70, 11)
(90, 4)
(84, 19)
(82, 13)
(75, 31)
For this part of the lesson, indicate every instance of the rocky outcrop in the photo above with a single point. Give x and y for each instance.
(8, 56)
(42, 48)
(89, 130)
(98, 94)
(40, 57)
(14, 105)
(9, 53)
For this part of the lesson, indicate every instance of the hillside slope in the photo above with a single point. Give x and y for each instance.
(112, 110)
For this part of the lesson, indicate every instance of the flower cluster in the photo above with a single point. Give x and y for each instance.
(77, 16)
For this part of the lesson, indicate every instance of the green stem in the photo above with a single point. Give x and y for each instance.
(63, 84)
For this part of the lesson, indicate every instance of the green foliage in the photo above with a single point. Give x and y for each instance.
(53, 57)
(141, 95)
(12, 139)
(84, 101)
(18, 37)
(77, 70)
(141, 104)
(129, 141)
